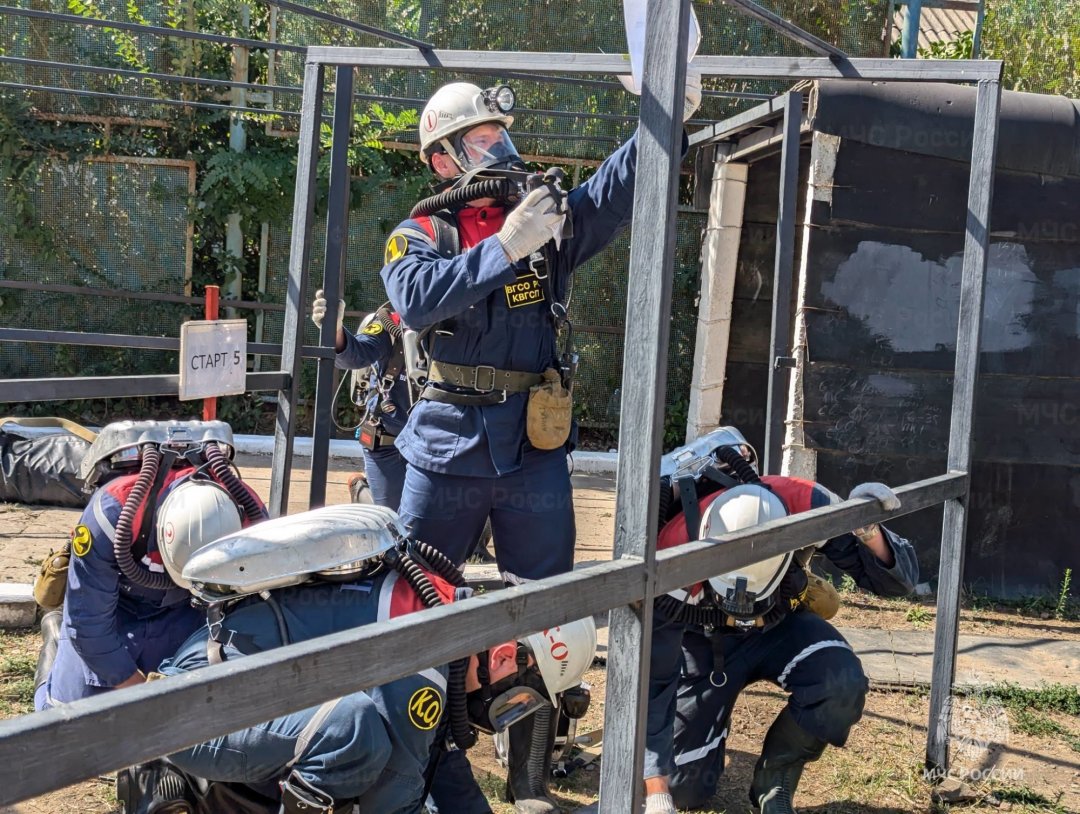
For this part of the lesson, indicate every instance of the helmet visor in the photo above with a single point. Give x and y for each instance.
(486, 145)
(512, 706)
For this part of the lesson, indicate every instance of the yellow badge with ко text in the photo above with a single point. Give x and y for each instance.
(81, 541)
(525, 290)
(425, 708)
(396, 247)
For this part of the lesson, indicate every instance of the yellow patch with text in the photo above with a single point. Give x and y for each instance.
(81, 541)
(373, 329)
(396, 247)
(525, 290)
(425, 708)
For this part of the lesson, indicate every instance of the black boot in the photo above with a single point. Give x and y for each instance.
(532, 742)
(50, 640)
(787, 748)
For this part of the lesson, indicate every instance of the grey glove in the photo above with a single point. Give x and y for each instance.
(879, 492)
(535, 221)
(318, 311)
(659, 803)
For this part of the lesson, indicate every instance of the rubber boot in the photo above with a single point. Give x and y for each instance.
(50, 641)
(787, 749)
(531, 744)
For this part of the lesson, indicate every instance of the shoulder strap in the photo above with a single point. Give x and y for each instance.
(447, 239)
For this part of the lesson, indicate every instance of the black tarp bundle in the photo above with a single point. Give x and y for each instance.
(42, 469)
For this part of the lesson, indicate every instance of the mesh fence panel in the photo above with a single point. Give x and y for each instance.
(114, 225)
(554, 119)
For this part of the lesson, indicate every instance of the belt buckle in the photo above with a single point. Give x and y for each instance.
(476, 379)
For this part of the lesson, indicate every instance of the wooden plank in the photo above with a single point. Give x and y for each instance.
(783, 272)
(961, 426)
(652, 255)
(292, 337)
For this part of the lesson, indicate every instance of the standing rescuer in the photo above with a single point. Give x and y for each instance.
(377, 346)
(484, 277)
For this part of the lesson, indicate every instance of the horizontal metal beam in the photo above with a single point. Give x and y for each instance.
(168, 343)
(703, 558)
(770, 111)
(105, 387)
(153, 296)
(138, 28)
(150, 100)
(786, 27)
(347, 23)
(256, 688)
(923, 70)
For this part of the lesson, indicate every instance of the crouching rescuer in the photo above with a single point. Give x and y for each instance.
(157, 486)
(766, 621)
(347, 566)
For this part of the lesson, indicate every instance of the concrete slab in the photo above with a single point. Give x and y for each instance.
(906, 657)
(17, 605)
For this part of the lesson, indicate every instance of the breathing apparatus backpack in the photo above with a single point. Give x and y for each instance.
(368, 384)
(151, 448)
(723, 459)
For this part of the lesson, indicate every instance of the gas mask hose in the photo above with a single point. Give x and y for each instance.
(498, 188)
(223, 474)
(123, 539)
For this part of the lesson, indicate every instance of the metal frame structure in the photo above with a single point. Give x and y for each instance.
(253, 689)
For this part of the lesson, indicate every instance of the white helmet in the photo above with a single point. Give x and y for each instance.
(563, 653)
(457, 107)
(192, 516)
(742, 507)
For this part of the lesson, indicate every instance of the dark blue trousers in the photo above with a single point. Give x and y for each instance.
(531, 511)
(803, 654)
(385, 470)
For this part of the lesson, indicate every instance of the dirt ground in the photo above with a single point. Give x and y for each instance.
(1031, 765)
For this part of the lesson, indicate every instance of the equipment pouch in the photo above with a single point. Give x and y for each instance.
(821, 596)
(550, 412)
(51, 581)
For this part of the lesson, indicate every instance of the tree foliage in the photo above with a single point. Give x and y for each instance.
(1039, 42)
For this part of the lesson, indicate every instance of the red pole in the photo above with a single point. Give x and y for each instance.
(209, 406)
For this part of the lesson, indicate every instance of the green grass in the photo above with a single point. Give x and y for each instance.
(17, 664)
(1036, 723)
(1047, 698)
(1026, 800)
(918, 615)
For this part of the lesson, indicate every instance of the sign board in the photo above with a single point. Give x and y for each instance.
(213, 358)
(634, 16)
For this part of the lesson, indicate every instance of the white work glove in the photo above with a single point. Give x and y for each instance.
(535, 221)
(659, 803)
(318, 311)
(692, 97)
(879, 492)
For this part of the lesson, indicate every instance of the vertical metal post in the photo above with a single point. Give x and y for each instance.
(976, 37)
(210, 311)
(648, 310)
(909, 38)
(783, 270)
(972, 287)
(337, 245)
(234, 235)
(292, 335)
